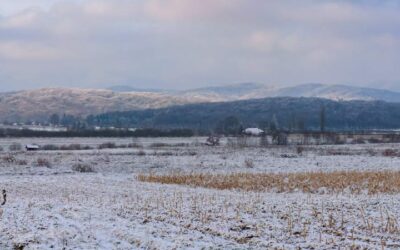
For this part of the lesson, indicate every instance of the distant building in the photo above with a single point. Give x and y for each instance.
(32, 147)
(253, 131)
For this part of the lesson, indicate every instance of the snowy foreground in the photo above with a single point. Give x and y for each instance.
(55, 207)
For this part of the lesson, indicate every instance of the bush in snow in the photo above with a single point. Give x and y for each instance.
(82, 168)
(43, 162)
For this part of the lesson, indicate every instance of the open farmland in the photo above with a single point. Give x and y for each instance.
(176, 193)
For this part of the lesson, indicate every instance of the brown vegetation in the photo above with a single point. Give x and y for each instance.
(43, 162)
(317, 182)
(107, 145)
(391, 153)
(83, 168)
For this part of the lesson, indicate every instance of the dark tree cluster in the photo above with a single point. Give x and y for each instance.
(97, 133)
(270, 114)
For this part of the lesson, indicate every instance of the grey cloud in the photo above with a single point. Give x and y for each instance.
(190, 43)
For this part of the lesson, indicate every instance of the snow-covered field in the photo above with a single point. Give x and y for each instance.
(55, 207)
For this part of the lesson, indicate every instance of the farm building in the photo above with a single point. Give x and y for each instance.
(32, 147)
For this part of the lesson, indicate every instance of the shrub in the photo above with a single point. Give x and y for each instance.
(50, 147)
(4, 194)
(192, 153)
(288, 156)
(165, 153)
(180, 145)
(15, 147)
(358, 141)
(82, 168)
(162, 144)
(338, 152)
(107, 145)
(43, 162)
(213, 141)
(9, 159)
(141, 153)
(21, 162)
(299, 150)
(66, 147)
(371, 152)
(375, 140)
(135, 145)
(390, 153)
(158, 145)
(249, 163)
(74, 147)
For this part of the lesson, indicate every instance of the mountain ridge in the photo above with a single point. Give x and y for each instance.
(243, 91)
(318, 90)
(39, 104)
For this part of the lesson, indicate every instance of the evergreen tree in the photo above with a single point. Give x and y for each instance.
(54, 119)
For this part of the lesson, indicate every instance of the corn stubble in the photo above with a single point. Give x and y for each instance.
(355, 182)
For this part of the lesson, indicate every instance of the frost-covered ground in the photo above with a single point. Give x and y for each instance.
(56, 207)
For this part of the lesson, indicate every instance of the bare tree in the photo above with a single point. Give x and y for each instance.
(322, 118)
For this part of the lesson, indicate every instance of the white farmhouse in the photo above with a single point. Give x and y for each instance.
(32, 147)
(253, 131)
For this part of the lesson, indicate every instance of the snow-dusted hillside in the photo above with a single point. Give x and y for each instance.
(333, 92)
(338, 92)
(41, 103)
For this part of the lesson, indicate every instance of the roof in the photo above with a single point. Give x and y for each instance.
(253, 130)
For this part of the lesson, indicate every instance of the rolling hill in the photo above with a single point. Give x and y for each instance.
(39, 104)
(333, 92)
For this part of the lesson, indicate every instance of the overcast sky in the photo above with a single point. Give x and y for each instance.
(192, 43)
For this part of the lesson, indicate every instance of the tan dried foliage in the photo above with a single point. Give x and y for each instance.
(354, 182)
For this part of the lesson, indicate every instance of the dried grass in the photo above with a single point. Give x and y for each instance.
(317, 182)
(43, 162)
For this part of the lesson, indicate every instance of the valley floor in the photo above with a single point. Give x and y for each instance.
(56, 207)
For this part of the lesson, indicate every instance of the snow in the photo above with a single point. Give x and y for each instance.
(253, 131)
(56, 208)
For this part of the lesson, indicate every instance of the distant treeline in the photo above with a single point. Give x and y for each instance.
(288, 114)
(97, 133)
(230, 118)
